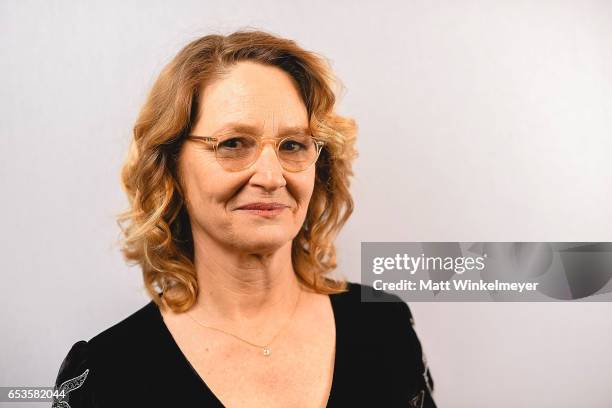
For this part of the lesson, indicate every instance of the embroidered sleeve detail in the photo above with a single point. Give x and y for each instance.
(71, 385)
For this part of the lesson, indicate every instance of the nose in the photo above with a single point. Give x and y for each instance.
(267, 170)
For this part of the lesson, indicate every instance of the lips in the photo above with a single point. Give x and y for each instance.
(262, 206)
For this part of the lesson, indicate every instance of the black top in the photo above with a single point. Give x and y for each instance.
(136, 362)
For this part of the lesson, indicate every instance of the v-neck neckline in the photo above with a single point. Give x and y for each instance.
(338, 357)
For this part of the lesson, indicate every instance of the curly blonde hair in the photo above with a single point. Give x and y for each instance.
(156, 231)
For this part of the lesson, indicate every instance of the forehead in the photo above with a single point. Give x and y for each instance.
(253, 94)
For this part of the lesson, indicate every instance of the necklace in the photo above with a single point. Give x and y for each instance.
(264, 348)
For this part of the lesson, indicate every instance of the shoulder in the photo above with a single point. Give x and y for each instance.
(130, 340)
(91, 366)
(378, 330)
(129, 332)
(366, 306)
(384, 325)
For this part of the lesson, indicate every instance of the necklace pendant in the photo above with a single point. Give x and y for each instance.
(266, 351)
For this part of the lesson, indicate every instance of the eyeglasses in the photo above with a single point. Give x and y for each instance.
(238, 152)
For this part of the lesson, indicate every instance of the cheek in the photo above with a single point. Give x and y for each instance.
(205, 183)
(210, 192)
(303, 185)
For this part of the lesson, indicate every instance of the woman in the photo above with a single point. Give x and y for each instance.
(238, 181)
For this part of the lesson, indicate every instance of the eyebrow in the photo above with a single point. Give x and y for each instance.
(256, 131)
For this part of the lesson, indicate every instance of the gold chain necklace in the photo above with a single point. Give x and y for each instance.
(265, 348)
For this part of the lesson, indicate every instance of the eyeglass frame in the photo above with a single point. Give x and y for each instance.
(260, 143)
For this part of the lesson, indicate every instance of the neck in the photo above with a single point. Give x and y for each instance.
(246, 288)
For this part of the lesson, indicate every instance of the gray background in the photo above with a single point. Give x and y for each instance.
(479, 121)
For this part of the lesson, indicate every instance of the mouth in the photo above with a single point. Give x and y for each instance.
(263, 209)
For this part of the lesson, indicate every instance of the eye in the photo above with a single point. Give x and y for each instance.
(234, 143)
(292, 145)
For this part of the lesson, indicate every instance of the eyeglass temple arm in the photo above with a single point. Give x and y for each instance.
(203, 138)
(319, 144)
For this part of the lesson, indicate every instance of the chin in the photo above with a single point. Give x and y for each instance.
(264, 241)
(260, 246)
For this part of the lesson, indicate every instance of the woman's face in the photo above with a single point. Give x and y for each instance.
(264, 98)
